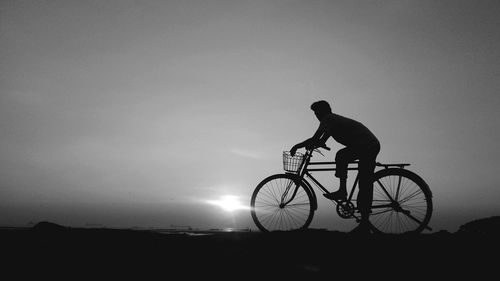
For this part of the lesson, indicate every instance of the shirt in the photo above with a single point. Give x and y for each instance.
(346, 131)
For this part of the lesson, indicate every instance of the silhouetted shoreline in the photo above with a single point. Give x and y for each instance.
(52, 250)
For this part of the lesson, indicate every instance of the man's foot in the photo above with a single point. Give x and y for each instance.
(337, 195)
(363, 228)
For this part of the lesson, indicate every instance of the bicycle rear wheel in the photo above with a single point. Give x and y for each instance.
(281, 203)
(402, 202)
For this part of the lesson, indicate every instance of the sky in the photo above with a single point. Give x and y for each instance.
(151, 113)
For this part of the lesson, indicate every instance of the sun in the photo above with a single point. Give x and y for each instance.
(229, 203)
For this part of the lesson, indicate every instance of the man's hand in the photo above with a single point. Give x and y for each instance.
(312, 144)
(293, 150)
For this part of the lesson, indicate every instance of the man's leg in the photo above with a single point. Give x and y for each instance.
(367, 164)
(342, 159)
(365, 194)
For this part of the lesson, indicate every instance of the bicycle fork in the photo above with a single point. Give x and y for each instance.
(285, 194)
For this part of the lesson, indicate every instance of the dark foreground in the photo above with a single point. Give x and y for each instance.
(55, 252)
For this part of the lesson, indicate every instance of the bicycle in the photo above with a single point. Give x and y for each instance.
(402, 200)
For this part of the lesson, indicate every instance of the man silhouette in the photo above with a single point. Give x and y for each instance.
(360, 144)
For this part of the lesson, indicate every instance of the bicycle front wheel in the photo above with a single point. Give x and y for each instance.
(402, 202)
(282, 203)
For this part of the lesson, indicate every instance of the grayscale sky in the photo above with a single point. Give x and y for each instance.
(150, 113)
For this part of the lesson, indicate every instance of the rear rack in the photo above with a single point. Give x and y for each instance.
(386, 166)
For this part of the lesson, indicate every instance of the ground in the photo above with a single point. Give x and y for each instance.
(58, 252)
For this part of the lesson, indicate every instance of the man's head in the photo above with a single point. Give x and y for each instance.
(321, 108)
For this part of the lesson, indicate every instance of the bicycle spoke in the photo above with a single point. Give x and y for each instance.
(385, 190)
(411, 196)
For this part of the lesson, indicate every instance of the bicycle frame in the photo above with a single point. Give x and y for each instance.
(305, 175)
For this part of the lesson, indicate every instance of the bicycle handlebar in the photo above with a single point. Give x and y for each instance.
(315, 148)
(325, 147)
(320, 146)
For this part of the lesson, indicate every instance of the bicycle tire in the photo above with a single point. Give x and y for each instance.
(410, 201)
(266, 211)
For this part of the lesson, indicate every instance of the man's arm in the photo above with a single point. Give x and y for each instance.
(318, 139)
(323, 139)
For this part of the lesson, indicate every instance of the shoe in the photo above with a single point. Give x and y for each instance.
(337, 195)
(363, 228)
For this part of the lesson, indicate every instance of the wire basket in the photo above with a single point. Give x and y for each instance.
(292, 163)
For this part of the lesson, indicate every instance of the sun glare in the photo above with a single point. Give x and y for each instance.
(229, 203)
